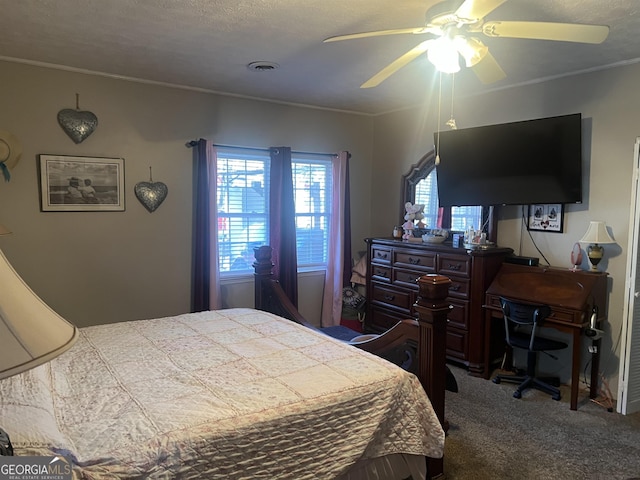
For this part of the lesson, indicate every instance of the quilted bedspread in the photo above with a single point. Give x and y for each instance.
(228, 394)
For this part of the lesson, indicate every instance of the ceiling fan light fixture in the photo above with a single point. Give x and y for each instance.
(471, 49)
(443, 54)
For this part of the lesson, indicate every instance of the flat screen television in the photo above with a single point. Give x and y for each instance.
(529, 162)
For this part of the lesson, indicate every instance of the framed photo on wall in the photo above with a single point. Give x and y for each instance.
(81, 184)
(546, 218)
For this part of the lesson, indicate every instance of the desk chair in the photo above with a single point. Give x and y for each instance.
(521, 323)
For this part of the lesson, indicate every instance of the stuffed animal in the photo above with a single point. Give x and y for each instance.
(413, 213)
(408, 230)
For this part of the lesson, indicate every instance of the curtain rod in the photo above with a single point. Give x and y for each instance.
(193, 143)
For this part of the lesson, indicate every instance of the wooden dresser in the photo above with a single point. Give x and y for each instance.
(393, 266)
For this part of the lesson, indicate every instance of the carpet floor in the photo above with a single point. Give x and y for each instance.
(495, 436)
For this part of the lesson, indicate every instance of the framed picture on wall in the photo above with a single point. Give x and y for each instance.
(546, 218)
(81, 184)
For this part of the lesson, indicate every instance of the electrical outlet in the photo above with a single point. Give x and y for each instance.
(593, 349)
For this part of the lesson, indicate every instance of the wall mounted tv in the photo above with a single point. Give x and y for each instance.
(529, 162)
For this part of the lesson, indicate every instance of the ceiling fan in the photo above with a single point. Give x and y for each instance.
(452, 25)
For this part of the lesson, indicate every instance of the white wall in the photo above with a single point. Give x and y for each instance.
(111, 266)
(609, 102)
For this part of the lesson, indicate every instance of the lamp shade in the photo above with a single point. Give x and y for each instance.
(31, 333)
(597, 233)
(471, 49)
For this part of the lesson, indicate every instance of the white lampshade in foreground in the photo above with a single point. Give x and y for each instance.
(31, 333)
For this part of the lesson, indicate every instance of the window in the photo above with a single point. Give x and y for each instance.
(426, 193)
(243, 223)
(312, 189)
(243, 208)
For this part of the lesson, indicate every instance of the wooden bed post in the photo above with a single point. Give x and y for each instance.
(263, 267)
(432, 309)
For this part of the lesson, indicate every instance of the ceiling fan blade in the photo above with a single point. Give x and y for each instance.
(477, 9)
(565, 32)
(396, 65)
(379, 33)
(488, 70)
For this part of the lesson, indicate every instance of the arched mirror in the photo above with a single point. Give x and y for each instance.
(419, 185)
(417, 179)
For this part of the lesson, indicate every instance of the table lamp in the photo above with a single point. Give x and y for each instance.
(31, 333)
(596, 236)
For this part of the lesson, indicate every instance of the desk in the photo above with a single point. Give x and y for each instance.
(571, 296)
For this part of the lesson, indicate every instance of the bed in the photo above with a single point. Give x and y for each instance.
(228, 394)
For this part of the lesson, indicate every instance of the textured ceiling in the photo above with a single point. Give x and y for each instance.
(207, 44)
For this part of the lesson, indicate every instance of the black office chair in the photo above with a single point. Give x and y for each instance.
(521, 323)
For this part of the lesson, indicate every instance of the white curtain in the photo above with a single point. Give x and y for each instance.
(215, 294)
(334, 278)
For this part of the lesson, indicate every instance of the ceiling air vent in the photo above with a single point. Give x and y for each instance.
(262, 66)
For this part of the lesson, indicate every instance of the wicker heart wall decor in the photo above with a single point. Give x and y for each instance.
(151, 194)
(77, 124)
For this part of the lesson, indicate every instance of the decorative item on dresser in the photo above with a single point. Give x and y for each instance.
(393, 269)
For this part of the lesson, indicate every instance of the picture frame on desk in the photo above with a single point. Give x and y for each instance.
(545, 217)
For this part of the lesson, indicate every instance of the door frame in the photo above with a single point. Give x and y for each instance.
(630, 366)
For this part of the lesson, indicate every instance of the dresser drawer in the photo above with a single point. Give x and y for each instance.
(424, 261)
(457, 343)
(406, 278)
(459, 287)
(380, 273)
(458, 316)
(457, 265)
(392, 297)
(381, 255)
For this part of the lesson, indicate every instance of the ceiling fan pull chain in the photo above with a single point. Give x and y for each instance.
(452, 121)
(438, 136)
